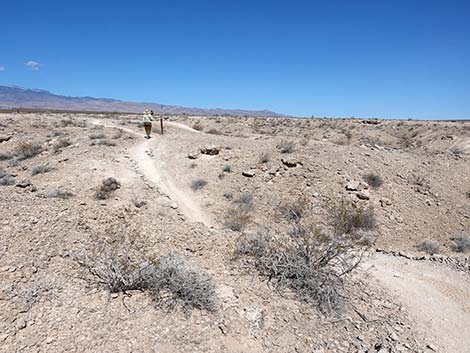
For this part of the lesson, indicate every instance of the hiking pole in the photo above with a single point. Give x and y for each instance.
(161, 124)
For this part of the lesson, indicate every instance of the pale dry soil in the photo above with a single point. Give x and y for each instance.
(48, 304)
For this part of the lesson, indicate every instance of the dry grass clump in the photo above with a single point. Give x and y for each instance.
(293, 211)
(97, 136)
(59, 194)
(26, 150)
(264, 157)
(214, 132)
(66, 122)
(462, 244)
(61, 143)
(170, 281)
(107, 187)
(239, 216)
(40, 169)
(347, 218)
(104, 142)
(197, 126)
(198, 184)
(5, 178)
(428, 246)
(374, 180)
(286, 146)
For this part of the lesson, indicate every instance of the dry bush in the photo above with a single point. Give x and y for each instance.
(214, 132)
(106, 188)
(245, 200)
(467, 194)
(118, 134)
(61, 143)
(66, 122)
(170, 281)
(5, 156)
(461, 244)
(237, 218)
(198, 184)
(264, 157)
(177, 282)
(228, 195)
(104, 142)
(197, 126)
(312, 263)
(59, 194)
(428, 246)
(374, 180)
(347, 218)
(26, 150)
(286, 146)
(40, 169)
(227, 169)
(97, 136)
(293, 211)
(5, 178)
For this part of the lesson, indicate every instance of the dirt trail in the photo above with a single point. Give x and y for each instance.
(437, 297)
(147, 156)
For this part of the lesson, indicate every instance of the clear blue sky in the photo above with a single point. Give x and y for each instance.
(324, 58)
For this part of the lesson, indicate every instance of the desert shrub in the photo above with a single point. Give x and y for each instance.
(245, 200)
(61, 143)
(293, 211)
(238, 217)
(264, 157)
(55, 134)
(118, 134)
(170, 281)
(227, 169)
(104, 142)
(374, 180)
(457, 152)
(40, 169)
(214, 132)
(97, 136)
(177, 282)
(5, 156)
(198, 184)
(286, 146)
(106, 188)
(197, 126)
(193, 165)
(347, 218)
(228, 195)
(461, 244)
(5, 178)
(59, 194)
(428, 246)
(314, 264)
(467, 194)
(66, 122)
(253, 244)
(26, 150)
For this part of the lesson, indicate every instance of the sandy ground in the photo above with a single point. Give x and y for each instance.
(399, 306)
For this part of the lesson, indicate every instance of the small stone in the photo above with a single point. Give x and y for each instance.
(49, 340)
(352, 186)
(20, 323)
(363, 195)
(249, 173)
(432, 347)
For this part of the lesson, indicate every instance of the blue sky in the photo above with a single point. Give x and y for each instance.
(390, 59)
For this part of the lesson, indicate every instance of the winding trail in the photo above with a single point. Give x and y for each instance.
(147, 154)
(436, 297)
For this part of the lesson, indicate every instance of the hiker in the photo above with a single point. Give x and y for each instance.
(147, 120)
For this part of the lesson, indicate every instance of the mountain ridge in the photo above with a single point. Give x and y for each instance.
(12, 96)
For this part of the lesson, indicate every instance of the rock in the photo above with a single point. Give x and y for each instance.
(290, 162)
(210, 150)
(352, 186)
(432, 347)
(24, 184)
(249, 173)
(363, 195)
(4, 138)
(174, 206)
(20, 323)
(192, 155)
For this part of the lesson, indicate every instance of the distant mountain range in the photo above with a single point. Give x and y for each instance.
(19, 97)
